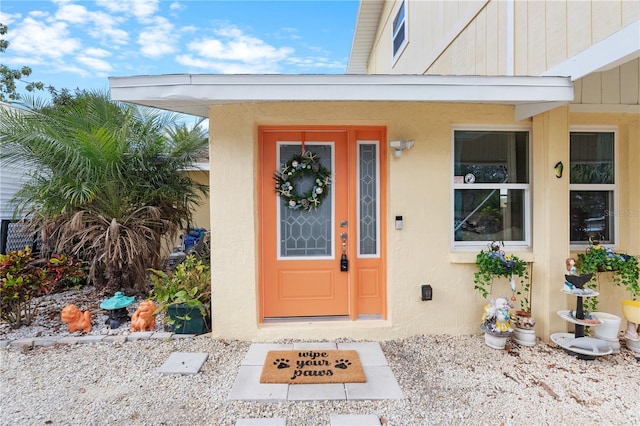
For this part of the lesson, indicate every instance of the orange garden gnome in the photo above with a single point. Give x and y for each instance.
(144, 318)
(75, 319)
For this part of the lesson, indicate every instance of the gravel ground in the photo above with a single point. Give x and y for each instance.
(445, 380)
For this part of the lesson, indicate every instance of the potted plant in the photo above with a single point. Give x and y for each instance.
(624, 267)
(184, 295)
(494, 263)
(625, 272)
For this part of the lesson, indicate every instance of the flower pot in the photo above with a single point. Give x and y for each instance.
(495, 341)
(524, 336)
(633, 345)
(609, 328)
(187, 319)
(631, 312)
(524, 320)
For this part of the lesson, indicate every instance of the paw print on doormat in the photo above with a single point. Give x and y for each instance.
(343, 364)
(281, 363)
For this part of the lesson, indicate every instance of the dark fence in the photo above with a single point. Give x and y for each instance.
(13, 237)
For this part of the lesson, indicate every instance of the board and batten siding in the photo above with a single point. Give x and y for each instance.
(471, 37)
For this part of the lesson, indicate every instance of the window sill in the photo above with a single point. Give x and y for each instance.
(470, 256)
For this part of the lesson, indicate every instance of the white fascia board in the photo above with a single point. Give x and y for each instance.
(617, 49)
(523, 111)
(220, 88)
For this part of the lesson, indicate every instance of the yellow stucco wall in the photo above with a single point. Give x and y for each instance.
(419, 186)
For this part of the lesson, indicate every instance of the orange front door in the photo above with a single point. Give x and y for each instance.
(301, 249)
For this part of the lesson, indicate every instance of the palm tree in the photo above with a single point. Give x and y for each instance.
(107, 181)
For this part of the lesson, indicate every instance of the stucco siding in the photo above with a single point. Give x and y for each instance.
(419, 188)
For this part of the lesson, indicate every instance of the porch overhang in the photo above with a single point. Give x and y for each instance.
(194, 93)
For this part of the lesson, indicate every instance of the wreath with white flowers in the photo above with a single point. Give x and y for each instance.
(299, 166)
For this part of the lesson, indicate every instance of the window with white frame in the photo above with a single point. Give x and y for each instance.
(491, 187)
(399, 33)
(592, 186)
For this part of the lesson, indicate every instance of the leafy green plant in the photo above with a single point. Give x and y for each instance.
(65, 271)
(494, 263)
(624, 267)
(188, 284)
(20, 281)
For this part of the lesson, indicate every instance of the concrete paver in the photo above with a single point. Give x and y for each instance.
(183, 363)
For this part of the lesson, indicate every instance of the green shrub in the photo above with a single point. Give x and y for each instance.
(20, 282)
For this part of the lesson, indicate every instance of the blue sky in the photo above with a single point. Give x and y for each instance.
(70, 43)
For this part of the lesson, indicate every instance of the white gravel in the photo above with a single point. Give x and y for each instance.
(445, 380)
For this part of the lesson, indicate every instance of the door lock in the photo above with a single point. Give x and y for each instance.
(344, 262)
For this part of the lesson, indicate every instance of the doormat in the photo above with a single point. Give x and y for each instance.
(308, 366)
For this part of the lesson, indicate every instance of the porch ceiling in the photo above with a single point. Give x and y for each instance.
(194, 93)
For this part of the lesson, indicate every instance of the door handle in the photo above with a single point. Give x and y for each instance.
(344, 262)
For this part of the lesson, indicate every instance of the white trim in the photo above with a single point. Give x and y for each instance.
(527, 187)
(404, 5)
(378, 224)
(617, 49)
(511, 37)
(523, 111)
(615, 187)
(194, 94)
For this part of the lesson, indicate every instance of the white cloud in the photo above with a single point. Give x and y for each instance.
(221, 67)
(233, 45)
(8, 19)
(315, 63)
(94, 63)
(141, 9)
(100, 53)
(100, 25)
(157, 40)
(177, 6)
(43, 40)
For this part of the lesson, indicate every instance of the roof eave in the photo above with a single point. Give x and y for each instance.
(193, 94)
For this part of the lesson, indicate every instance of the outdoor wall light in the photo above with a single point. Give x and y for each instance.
(427, 292)
(400, 145)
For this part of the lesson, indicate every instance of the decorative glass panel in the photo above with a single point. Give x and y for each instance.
(306, 233)
(368, 167)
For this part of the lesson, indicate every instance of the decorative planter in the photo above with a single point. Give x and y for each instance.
(187, 319)
(524, 336)
(496, 341)
(631, 312)
(608, 329)
(524, 320)
(523, 333)
(633, 345)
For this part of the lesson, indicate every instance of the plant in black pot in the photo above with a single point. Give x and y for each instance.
(184, 295)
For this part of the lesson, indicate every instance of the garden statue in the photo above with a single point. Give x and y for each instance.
(574, 282)
(497, 316)
(75, 319)
(144, 318)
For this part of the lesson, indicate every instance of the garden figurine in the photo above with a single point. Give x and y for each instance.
(75, 319)
(144, 317)
(497, 316)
